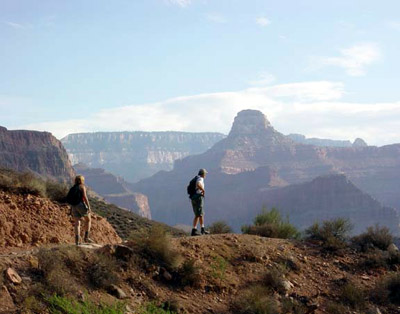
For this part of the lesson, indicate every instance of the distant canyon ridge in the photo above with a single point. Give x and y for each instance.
(136, 155)
(253, 166)
(256, 166)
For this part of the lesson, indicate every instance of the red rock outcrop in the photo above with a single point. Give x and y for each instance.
(39, 152)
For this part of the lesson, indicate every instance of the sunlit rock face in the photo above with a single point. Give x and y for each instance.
(39, 152)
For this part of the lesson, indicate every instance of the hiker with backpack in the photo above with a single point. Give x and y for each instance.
(80, 208)
(196, 193)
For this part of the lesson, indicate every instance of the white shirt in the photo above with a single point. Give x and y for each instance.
(200, 182)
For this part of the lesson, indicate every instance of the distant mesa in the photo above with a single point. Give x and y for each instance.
(136, 155)
(299, 138)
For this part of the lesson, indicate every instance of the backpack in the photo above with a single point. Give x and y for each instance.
(74, 196)
(191, 188)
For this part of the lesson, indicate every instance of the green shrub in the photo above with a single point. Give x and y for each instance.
(189, 273)
(333, 233)
(56, 275)
(375, 259)
(155, 245)
(218, 267)
(103, 272)
(374, 237)
(255, 300)
(56, 191)
(270, 224)
(28, 183)
(387, 291)
(352, 296)
(63, 305)
(32, 304)
(219, 227)
(152, 308)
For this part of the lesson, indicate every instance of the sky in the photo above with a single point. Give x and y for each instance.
(327, 69)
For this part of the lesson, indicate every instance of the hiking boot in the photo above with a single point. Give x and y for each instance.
(195, 232)
(203, 231)
(87, 239)
(77, 240)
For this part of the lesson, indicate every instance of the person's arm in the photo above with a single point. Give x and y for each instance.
(84, 197)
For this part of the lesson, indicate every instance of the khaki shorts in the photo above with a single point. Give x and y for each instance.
(198, 204)
(80, 210)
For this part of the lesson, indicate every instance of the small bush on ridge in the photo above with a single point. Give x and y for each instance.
(374, 237)
(333, 233)
(219, 227)
(155, 245)
(270, 224)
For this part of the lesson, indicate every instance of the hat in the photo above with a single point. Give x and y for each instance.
(202, 171)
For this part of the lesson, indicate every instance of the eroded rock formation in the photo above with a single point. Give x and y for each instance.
(39, 152)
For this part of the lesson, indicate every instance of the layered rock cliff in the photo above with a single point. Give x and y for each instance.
(39, 152)
(114, 190)
(255, 157)
(136, 155)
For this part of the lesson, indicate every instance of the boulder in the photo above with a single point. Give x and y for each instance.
(13, 276)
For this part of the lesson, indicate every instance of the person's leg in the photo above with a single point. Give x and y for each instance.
(195, 205)
(201, 215)
(195, 222)
(88, 226)
(201, 219)
(77, 228)
(203, 230)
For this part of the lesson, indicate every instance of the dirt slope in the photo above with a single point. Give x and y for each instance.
(27, 220)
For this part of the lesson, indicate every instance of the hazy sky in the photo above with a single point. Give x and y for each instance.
(321, 68)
